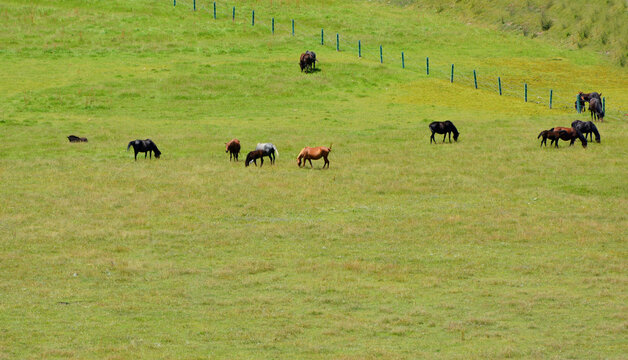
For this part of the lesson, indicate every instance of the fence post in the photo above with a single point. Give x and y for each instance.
(525, 87)
(475, 80)
(551, 94)
(292, 27)
(322, 37)
(578, 100)
(381, 55)
(233, 15)
(499, 82)
(604, 105)
(452, 73)
(272, 26)
(253, 18)
(359, 48)
(194, 2)
(175, 3)
(403, 62)
(214, 10)
(337, 42)
(427, 65)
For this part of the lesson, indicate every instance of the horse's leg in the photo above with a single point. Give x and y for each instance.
(326, 162)
(150, 154)
(261, 161)
(449, 136)
(136, 154)
(311, 166)
(432, 138)
(444, 137)
(145, 154)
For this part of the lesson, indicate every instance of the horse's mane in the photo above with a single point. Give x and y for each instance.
(154, 147)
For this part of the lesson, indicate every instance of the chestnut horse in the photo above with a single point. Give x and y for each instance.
(549, 134)
(570, 134)
(309, 154)
(233, 147)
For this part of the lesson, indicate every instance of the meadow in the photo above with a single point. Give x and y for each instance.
(490, 247)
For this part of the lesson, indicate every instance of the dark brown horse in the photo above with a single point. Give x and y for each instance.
(596, 109)
(549, 134)
(309, 154)
(443, 127)
(589, 96)
(73, 138)
(252, 157)
(306, 62)
(587, 128)
(570, 134)
(233, 147)
(146, 146)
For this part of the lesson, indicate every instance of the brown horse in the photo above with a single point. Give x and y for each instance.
(252, 157)
(306, 61)
(309, 154)
(549, 134)
(233, 147)
(570, 134)
(589, 96)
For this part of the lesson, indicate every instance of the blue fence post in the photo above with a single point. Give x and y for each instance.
(551, 94)
(292, 27)
(194, 2)
(604, 105)
(359, 48)
(253, 18)
(578, 101)
(175, 3)
(381, 55)
(525, 86)
(403, 61)
(214, 10)
(452, 73)
(273, 26)
(337, 42)
(322, 37)
(427, 65)
(499, 82)
(475, 80)
(233, 15)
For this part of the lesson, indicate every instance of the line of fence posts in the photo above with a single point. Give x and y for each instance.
(381, 58)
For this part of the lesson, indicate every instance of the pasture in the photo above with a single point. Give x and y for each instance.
(490, 247)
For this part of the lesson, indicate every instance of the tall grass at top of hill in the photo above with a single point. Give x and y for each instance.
(599, 25)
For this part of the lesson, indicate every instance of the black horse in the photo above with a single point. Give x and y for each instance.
(313, 58)
(443, 127)
(252, 157)
(586, 127)
(146, 146)
(73, 138)
(596, 109)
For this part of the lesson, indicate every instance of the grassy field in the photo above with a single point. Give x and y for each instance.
(486, 248)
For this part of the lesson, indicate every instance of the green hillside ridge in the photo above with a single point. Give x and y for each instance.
(600, 25)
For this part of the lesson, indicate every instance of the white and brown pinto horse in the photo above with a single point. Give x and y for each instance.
(314, 153)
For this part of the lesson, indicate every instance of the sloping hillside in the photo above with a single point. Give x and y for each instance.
(601, 25)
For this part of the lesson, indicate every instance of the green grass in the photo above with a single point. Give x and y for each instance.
(486, 248)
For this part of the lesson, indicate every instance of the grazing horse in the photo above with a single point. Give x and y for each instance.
(570, 134)
(306, 62)
(146, 146)
(233, 147)
(252, 157)
(309, 154)
(595, 107)
(585, 128)
(313, 56)
(73, 138)
(443, 127)
(549, 134)
(269, 150)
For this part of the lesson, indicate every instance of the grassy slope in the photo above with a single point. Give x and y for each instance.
(598, 25)
(486, 248)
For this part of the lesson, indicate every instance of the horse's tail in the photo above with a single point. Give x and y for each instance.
(541, 134)
(130, 144)
(594, 129)
(583, 140)
(276, 151)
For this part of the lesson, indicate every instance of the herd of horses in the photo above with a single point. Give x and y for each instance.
(579, 130)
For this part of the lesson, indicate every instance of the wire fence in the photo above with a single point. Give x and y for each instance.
(390, 54)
